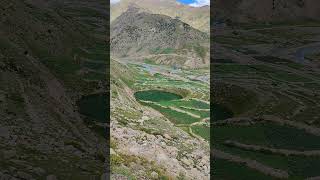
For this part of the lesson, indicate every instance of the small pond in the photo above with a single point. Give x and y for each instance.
(220, 112)
(95, 106)
(156, 96)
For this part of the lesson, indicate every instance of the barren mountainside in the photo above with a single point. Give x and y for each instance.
(138, 33)
(198, 18)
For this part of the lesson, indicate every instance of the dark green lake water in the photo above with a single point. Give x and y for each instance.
(95, 106)
(156, 96)
(220, 112)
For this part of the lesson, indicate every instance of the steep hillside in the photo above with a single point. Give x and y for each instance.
(158, 37)
(198, 18)
(42, 133)
(145, 143)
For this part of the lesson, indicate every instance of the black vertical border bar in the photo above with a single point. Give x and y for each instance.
(211, 88)
(107, 27)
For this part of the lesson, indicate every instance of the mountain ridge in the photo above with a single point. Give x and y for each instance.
(138, 33)
(186, 13)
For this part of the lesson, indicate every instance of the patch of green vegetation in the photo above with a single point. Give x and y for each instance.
(234, 98)
(186, 103)
(130, 114)
(79, 84)
(284, 106)
(267, 134)
(201, 51)
(116, 160)
(151, 131)
(185, 128)
(114, 94)
(181, 176)
(281, 61)
(223, 168)
(304, 167)
(159, 50)
(168, 51)
(149, 61)
(99, 53)
(202, 114)
(174, 116)
(281, 137)
(202, 130)
(269, 159)
(61, 65)
(277, 86)
(126, 160)
(290, 77)
(242, 134)
(298, 167)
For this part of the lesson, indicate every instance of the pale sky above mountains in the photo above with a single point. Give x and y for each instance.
(194, 3)
(114, 1)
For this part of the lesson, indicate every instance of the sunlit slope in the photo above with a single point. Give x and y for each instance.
(198, 18)
(146, 140)
(164, 40)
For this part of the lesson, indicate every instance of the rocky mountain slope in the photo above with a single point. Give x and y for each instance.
(160, 38)
(266, 10)
(147, 46)
(198, 18)
(42, 133)
(145, 144)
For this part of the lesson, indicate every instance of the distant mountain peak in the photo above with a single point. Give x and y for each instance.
(137, 33)
(198, 18)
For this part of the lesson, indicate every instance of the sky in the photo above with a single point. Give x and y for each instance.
(114, 1)
(194, 3)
